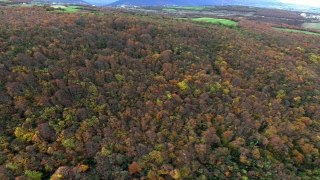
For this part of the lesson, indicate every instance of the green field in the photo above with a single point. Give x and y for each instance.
(168, 9)
(311, 25)
(67, 8)
(294, 30)
(195, 8)
(213, 20)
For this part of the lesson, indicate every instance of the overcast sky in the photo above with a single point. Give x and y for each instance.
(303, 2)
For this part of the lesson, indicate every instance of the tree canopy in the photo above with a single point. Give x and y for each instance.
(129, 96)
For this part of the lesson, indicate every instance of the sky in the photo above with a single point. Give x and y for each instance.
(315, 3)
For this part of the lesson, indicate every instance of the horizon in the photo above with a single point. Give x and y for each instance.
(297, 2)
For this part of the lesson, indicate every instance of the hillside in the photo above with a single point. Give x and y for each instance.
(10, 2)
(119, 95)
(66, 1)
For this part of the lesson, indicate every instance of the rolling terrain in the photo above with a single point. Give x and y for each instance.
(107, 93)
(272, 17)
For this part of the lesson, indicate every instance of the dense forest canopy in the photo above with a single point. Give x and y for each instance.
(116, 95)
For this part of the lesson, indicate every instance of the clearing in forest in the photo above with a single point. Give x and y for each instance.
(295, 30)
(195, 8)
(213, 20)
(67, 8)
(311, 25)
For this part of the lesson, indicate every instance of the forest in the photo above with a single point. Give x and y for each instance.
(120, 95)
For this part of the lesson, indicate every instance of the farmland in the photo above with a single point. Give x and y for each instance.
(298, 31)
(213, 20)
(67, 8)
(311, 25)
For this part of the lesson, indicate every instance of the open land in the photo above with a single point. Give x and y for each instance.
(212, 20)
(274, 17)
(299, 31)
(68, 8)
(311, 25)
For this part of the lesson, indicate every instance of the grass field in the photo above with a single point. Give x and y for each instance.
(168, 9)
(294, 30)
(68, 8)
(213, 20)
(311, 25)
(195, 8)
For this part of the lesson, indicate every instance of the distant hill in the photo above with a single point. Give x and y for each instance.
(194, 3)
(164, 2)
(67, 1)
(98, 2)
